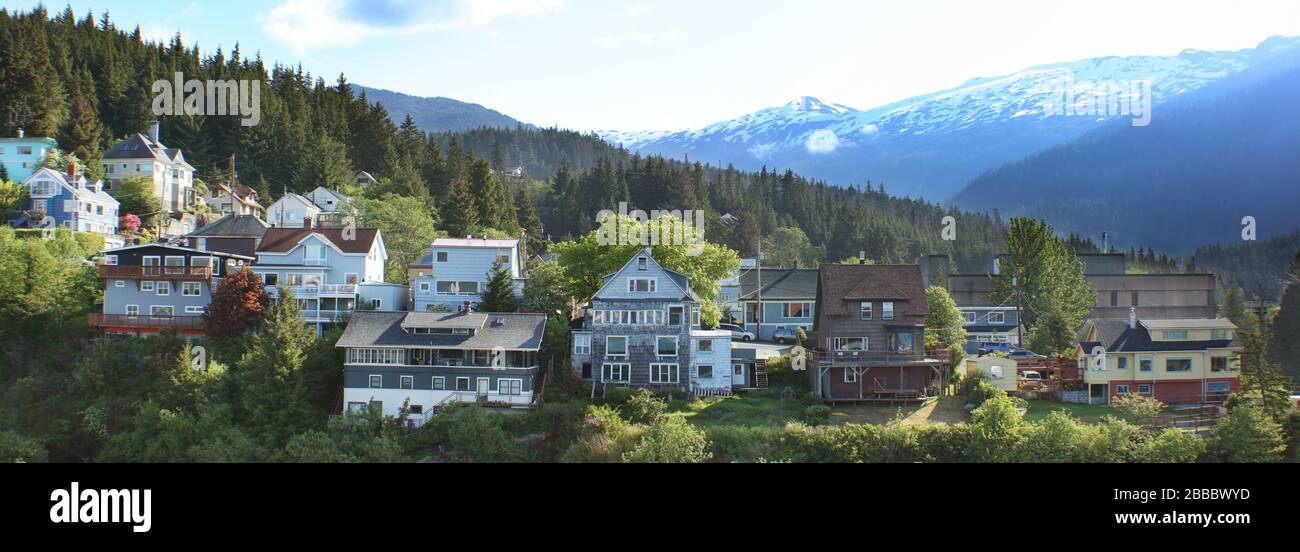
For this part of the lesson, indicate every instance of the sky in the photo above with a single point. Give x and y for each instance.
(679, 64)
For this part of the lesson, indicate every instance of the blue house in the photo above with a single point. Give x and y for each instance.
(991, 327)
(455, 271)
(21, 156)
(788, 300)
(70, 201)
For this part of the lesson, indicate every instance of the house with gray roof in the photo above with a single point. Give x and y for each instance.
(778, 299)
(234, 234)
(412, 363)
(147, 157)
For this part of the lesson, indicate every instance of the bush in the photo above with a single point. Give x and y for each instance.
(744, 444)
(817, 415)
(1246, 435)
(1174, 446)
(478, 438)
(996, 428)
(670, 440)
(16, 448)
(1141, 408)
(1059, 438)
(979, 391)
(1292, 429)
(644, 407)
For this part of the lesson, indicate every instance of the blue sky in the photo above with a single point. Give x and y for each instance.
(673, 64)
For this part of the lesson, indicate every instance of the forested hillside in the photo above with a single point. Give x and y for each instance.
(87, 82)
(438, 114)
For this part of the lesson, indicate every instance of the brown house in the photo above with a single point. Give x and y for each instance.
(869, 335)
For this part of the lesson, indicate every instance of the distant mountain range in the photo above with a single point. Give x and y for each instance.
(931, 146)
(437, 114)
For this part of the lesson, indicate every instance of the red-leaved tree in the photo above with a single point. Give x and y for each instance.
(237, 305)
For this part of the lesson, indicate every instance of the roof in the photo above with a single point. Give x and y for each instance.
(338, 195)
(1190, 324)
(384, 329)
(842, 285)
(425, 261)
(137, 146)
(780, 284)
(238, 226)
(177, 248)
(301, 199)
(284, 240)
(80, 186)
(243, 194)
(1117, 337)
(466, 242)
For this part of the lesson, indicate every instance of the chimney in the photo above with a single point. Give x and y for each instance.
(1132, 318)
(21, 133)
(306, 223)
(467, 308)
(1105, 242)
(72, 171)
(153, 132)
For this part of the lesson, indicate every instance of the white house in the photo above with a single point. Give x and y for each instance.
(233, 200)
(291, 211)
(146, 156)
(329, 201)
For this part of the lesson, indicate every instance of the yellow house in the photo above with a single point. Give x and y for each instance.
(1001, 372)
(1176, 361)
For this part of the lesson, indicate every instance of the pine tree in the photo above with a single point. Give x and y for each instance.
(271, 393)
(493, 207)
(527, 219)
(499, 294)
(460, 210)
(1284, 347)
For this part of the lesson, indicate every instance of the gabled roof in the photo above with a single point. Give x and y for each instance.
(242, 194)
(337, 195)
(178, 249)
(681, 281)
(233, 226)
(1117, 337)
(284, 240)
(780, 284)
(298, 198)
(842, 286)
(79, 186)
(138, 146)
(385, 329)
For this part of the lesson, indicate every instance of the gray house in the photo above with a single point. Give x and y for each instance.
(152, 288)
(422, 360)
(642, 330)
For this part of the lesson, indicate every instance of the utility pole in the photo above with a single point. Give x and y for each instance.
(1020, 324)
(758, 316)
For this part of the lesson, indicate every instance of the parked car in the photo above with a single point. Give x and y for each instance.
(1021, 354)
(737, 332)
(1031, 380)
(785, 335)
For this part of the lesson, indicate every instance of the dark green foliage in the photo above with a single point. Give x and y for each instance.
(499, 293)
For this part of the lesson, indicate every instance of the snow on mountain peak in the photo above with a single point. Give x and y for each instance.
(813, 105)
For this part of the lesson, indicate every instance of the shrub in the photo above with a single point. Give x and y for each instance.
(1113, 440)
(1247, 434)
(817, 415)
(644, 407)
(670, 440)
(996, 427)
(980, 391)
(1059, 438)
(744, 444)
(1174, 446)
(478, 438)
(1292, 429)
(1141, 408)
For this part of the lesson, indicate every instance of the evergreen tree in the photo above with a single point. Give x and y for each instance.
(499, 294)
(1284, 347)
(460, 210)
(1047, 279)
(274, 401)
(527, 219)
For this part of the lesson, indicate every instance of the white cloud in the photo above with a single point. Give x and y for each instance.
(822, 141)
(309, 24)
(870, 128)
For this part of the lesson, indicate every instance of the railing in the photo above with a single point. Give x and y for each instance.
(853, 358)
(164, 272)
(100, 320)
(307, 291)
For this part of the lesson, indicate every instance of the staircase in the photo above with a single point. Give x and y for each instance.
(760, 374)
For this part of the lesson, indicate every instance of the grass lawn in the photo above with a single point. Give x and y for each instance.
(764, 409)
(1090, 413)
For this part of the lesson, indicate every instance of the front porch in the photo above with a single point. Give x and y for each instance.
(888, 380)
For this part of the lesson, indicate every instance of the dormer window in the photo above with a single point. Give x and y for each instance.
(642, 285)
(1175, 335)
(642, 264)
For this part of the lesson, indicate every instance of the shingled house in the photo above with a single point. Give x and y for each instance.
(870, 335)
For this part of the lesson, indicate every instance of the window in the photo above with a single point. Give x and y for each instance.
(666, 346)
(997, 318)
(663, 373)
(738, 370)
(417, 409)
(705, 371)
(1221, 335)
(162, 311)
(1145, 363)
(695, 317)
(375, 356)
(424, 287)
(797, 310)
(851, 344)
(164, 288)
(357, 407)
(615, 372)
(377, 304)
(376, 381)
(1121, 389)
(706, 345)
(147, 285)
(1144, 389)
(865, 310)
(407, 382)
(675, 316)
(641, 285)
(439, 383)
(1122, 363)
(468, 288)
(462, 384)
(350, 279)
(315, 253)
(1114, 300)
(887, 311)
(195, 310)
(24, 150)
(1218, 387)
(442, 256)
(446, 288)
(901, 342)
(1178, 365)
(1219, 364)
(1174, 335)
(270, 279)
(968, 317)
(616, 346)
(995, 372)
(133, 310)
(175, 264)
(642, 264)
(850, 375)
(582, 344)
(119, 283)
(1136, 303)
(150, 261)
(191, 289)
(110, 260)
(510, 387)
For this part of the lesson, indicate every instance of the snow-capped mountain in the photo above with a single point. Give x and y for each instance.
(931, 145)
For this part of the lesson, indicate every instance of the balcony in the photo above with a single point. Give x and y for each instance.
(115, 272)
(870, 358)
(142, 322)
(314, 291)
